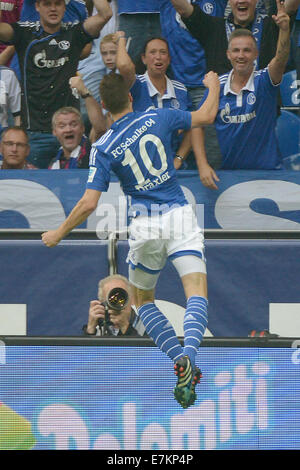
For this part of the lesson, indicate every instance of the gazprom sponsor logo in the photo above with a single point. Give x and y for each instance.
(41, 61)
(237, 119)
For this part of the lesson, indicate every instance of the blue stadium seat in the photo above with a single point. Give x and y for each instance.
(288, 133)
(290, 90)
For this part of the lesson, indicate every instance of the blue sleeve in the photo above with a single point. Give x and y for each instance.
(265, 83)
(176, 118)
(135, 90)
(189, 105)
(205, 95)
(99, 173)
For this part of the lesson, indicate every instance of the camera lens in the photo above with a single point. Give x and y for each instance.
(117, 298)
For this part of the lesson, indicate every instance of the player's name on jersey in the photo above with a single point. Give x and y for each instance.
(130, 140)
(152, 184)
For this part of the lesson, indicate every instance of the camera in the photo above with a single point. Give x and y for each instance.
(117, 299)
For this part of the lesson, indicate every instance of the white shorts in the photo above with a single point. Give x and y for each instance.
(154, 239)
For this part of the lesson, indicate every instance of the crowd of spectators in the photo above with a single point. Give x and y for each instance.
(54, 54)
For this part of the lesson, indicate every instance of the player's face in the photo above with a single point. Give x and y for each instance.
(156, 57)
(109, 52)
(243, 11)
(14, 149)
(51, 12)
(68, 130)
(242, 53)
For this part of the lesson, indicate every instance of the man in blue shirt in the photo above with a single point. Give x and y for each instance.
(138, 149)
(188, 62)
(247, 113)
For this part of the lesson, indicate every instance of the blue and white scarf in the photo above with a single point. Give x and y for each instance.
(256, 29)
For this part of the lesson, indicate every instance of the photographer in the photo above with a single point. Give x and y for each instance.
(113, 314)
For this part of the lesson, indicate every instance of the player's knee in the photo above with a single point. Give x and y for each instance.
(189, 265)
(143, 280)
(142, 297)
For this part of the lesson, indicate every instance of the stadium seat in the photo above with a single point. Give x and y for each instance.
(288, 133)
(290, 90)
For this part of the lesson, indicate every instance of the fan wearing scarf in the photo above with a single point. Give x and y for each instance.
(213, 32)
(68, 128)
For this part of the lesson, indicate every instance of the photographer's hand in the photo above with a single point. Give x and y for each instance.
(119, 319)
(96, 313)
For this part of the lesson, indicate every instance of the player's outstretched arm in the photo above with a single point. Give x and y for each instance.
(84, 207)
(278, 63)
(207, 112)
(94, 24)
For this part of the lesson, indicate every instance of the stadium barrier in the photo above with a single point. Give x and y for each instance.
(252, 281)
(95, 394)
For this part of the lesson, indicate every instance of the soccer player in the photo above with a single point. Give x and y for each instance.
(138, 149)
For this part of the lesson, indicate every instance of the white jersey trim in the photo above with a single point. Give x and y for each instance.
(126, 128)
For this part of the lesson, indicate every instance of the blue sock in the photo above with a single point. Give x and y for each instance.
(194, 325)
(160, 330)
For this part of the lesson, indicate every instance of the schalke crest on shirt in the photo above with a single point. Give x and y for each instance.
(64, 45)
(175, 103)
(251, 98)
(208, 8)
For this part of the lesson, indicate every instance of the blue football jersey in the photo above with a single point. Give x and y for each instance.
(137, 6)
(187, 55)
(145, 96)
(137, 148)
(246, 123)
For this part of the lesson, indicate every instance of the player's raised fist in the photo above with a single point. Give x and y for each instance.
(211, 79)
